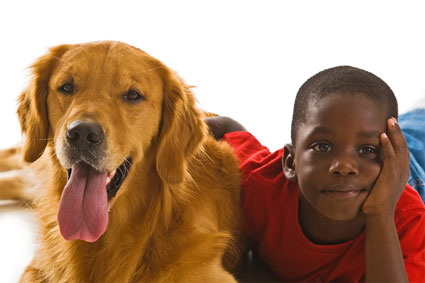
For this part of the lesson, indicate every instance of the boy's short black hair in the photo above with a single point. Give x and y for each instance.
(344, 80)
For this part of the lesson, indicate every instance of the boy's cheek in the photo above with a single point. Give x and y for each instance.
(373, 172)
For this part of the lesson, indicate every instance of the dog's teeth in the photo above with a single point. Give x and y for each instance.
(110, 176)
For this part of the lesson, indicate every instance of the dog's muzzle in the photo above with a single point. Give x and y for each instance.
(83, 208)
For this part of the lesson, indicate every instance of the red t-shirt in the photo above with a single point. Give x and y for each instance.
(270, 208)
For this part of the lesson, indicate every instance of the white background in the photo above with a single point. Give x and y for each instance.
(247, 60)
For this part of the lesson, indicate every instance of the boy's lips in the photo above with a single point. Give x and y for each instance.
(343, 192)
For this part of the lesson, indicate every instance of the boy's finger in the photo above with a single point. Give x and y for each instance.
(396, 137)
(389, 154)
(399, 151)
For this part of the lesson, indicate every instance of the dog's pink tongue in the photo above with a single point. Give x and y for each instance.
(83, 208)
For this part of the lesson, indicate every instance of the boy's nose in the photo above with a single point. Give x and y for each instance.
(344, 166)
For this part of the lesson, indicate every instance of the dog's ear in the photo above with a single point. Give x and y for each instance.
(182, 129)
(32, 109)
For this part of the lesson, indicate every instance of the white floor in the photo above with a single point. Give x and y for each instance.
(17, 240)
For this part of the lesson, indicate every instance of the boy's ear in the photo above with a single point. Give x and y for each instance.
(288, 163)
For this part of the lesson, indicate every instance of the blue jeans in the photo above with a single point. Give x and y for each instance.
(413, 126)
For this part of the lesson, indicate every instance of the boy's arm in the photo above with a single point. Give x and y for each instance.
(220, 125)
(252, 268)
(384, 259)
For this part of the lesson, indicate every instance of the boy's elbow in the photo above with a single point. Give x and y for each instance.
(220, 125)
(233, 125)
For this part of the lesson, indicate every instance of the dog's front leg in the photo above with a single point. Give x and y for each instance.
(14, 185)
(11, 159)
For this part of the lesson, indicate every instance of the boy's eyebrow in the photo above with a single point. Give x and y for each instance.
(364, 134)
(369, 134)
(321, 130)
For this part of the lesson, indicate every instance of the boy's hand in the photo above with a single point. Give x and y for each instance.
(384, 258)
(394, 174)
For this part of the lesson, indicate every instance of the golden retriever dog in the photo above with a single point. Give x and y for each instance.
(127, 184)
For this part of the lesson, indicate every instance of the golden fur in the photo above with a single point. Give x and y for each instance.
(176, 217)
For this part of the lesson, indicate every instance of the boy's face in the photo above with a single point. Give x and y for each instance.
(337, 154)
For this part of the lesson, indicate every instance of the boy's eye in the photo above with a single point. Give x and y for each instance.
(321, 147)
(368, 150)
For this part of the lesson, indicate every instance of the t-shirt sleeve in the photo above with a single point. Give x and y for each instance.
(248, 150)
(410, 221)
(262, 182)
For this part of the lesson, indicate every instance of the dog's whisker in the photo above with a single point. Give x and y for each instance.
(62, 60)
(136, 174)
(153, 69)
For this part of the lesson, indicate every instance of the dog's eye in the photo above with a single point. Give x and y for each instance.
(133, 96)
(67, 88)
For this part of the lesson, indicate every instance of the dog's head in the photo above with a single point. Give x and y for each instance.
(102, 107)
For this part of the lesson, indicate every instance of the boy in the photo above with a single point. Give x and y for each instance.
(333, 205)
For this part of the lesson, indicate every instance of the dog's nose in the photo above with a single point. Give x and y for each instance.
(84, 134)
